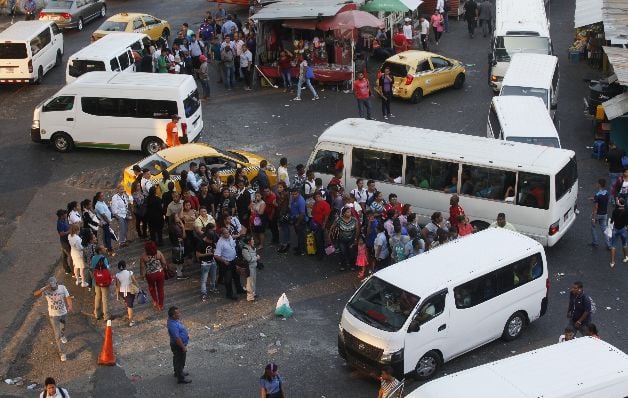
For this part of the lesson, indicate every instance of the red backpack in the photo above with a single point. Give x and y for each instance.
(102, 277)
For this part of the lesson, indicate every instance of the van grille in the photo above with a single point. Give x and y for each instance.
(359, 347)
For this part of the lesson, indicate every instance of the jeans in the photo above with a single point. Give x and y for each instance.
(58, 330)
(600, 222)
(208, 269)
(471, 24)
(101, 297)
(251, 282)
(386, 104)
(155, 282)
(107, 236)
(446, 21)
(309, 85)
(286, 75)
(346, 251)
(274, 228)
(247, 76)
(205, 85)
(123, 228)
(140, 226)
(229, 77)
(364, 103)
(285, 233)
(178, 361)
(299, 230)
(319, 237)
(486, 26)
(622, 234)
(66, 258)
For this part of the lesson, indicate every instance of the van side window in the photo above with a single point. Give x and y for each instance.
(376, 165)
(156, 109)
(128, 107)
(124, 61)
(431, 174)
(431, 308)
(493, 120)
(566, 177)
(499, 282)
(40, 41)
(327, 162)
(115, 66)
(533, 190)
(486, 183)
(59, 104)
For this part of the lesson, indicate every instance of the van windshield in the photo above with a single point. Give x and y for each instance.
(382, 305)
(544, 141)
(12, 51)
(506, 46)
(525, 91)
(155, 164)
(191, 103)
(80, 67)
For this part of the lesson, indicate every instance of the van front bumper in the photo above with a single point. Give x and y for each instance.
(36, 135)
(365, 364)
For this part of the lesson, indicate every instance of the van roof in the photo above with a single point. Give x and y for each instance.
(440, 144)
(524, 116)
(23, 30)
(521, 15)
(530, 70)
(102, 48)
(537, 373)
(440, 267)
(143, 79)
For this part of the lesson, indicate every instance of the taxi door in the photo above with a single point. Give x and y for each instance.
(443, 74)
(424, 76)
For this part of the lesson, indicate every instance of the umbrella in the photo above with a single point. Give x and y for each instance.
(353, 19)
(385, 5)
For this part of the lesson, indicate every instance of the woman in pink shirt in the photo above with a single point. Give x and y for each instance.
(437, 25)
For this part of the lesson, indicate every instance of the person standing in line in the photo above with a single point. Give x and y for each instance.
(59, 305)
(203, 76)
(52, 391)
(297, 216)
(179, 339)
(205, 255)
(386, 82)
(152, 264)
(104, 215)
(126, 284)
(599, 214)
(380, 245)
(122, 213)
(63, 229)
(249, 254)
(437, 25)
(424, 31)
(154, 216)
(101, 299)
(225, 254)
(619, 219)
(172, 131)
(306, 73)
(485, 14)
(271, 383)
(246, 65)
(388, 382)
(282, 171)
(196, 48)
(227, 56)
(615, 166)
(471, 16)
(362, 91)
(579, 310)
(76, 251)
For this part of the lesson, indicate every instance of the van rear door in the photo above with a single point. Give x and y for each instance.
(15, 61)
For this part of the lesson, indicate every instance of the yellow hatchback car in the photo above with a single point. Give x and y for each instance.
(178, 158)
(419, 73)
(134, 22)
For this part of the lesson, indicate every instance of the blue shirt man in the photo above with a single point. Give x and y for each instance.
(297, 207)
(103, 212)
(229, 28)
(179, 340)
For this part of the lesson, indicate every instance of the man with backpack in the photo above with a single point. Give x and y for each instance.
(52, 391)
(101, 281)
(397, 243)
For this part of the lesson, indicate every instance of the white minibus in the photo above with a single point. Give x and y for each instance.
(424, 311)
(548, 372)
(533, 75)
(112, 53)
(520, 27)
(28, 50)
(521, 119)
(535, 186)
(116, 110)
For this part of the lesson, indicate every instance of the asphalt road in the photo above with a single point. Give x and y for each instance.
(268, 122)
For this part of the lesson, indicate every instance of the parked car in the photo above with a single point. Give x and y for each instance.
(70, 14)
(134, 22)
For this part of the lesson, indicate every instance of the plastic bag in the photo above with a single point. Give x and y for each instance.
(609, 230)
(283, 307)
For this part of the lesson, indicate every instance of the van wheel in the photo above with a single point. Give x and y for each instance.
(480, 225)
(79, 25)
(152, 145)
(165, 34)
(62, 142)
(514, 326)
(459, 82)
(103, 11)
(427, 366)
(417, 95)
(59, 59)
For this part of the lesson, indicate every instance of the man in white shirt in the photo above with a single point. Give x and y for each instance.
(246, 63)
(502, 223)
(407, 29)
(52, 391)
(145, 182)
(225, 255)
(120, 211)
(359, 193)
(282, 171)
(59, 304)
(424, 30)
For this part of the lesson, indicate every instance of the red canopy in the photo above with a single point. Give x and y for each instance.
(349, 20)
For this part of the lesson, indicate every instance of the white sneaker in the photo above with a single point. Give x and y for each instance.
(625, 260)
(64, 339)
(132, 323)
(612, 265)
(315, 98)
(78, 281)
(297, 99)
(63, 358)
(84, 284)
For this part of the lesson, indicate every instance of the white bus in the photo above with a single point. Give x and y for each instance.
(548, 372)
(422, 312)
(521, 26)
(535, 186)
(116, 110)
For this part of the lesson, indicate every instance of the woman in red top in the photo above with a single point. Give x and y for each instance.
(455, 210)
(284, 65)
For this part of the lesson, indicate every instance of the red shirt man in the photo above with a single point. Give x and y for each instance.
(393, 204)
(400, 42)
(361, 87)
(320, 210)
(269, 199)
(455, 210)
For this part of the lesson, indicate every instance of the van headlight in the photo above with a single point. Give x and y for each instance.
(392, 356)
(35, 124)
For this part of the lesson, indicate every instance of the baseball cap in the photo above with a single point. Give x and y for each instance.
(52, 282)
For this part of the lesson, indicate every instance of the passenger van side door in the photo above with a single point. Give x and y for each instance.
(43, 51)
(58, 115)
(428, 330)
(326, 161)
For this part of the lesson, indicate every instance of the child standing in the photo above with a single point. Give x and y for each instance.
(361, 260)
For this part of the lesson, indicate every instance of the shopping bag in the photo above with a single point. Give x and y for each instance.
(141, 297)
(311, 244)
(283, 307)
(329, 250)
(609, 230)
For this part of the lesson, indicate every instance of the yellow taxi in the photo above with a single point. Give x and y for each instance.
(178, 158)
(134, 22)
(419, 73)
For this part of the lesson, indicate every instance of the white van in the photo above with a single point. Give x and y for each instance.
(520, 27)
(533, 75)
(548, 372)
(424, 311)
(112, 53)
(521, 119)
(28, 50)
(116, 110)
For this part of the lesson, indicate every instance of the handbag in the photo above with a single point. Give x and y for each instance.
(141, 297)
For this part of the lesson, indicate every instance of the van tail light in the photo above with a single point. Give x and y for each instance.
(409, 79)
(553, 228)
(184, 128)
(65, 15)
(41, 15)
(30, 66)
(547, 285)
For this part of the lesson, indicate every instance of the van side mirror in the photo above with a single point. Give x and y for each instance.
(414, 326)
(554, 106)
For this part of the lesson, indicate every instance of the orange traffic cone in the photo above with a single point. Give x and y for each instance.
(107, 357)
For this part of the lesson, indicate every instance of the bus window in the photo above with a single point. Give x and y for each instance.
(327, 162)
(431, 174)
(376, 165)
(486, 183)
(533, 190)
(565, 178)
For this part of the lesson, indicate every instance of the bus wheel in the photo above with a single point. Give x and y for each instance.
(151, 145)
